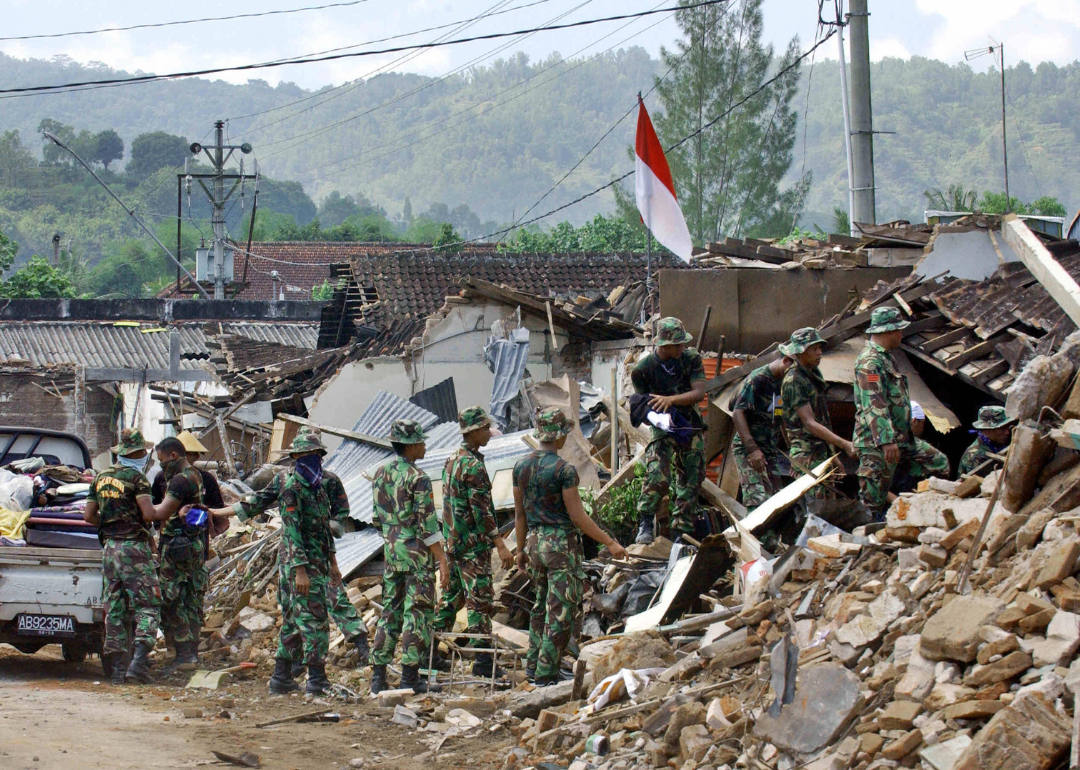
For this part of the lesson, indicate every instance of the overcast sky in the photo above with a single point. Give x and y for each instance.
(1033, 30)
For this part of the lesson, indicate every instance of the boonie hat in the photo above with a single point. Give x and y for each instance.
(670, 331)
(991, 417)
(307, 442)
(551, 423)
(801, 340)
(473, 418)
(407, 432)
(131, 441)
(886, 319)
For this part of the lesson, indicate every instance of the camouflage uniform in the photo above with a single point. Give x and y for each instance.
(470, 529)
(883, 416)
(802, 386)
(990, 418)
(306, 542)
(132, 595)
(341, 610)
(759, 398)
(670, 378)
(553, 546)
(404, 511)
(182, 575)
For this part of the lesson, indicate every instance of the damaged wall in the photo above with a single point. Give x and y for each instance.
(754, 308)
(48, 400)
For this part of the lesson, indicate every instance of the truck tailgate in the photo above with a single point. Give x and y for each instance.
(50, 581)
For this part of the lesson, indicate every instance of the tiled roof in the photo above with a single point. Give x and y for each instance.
(415, 285)
(301, 265)
(107, 345)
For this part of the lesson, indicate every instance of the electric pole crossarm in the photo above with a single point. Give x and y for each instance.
(130, 212)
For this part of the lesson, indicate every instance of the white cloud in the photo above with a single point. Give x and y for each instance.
(881, 48)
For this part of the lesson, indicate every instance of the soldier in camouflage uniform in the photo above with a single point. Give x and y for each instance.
(883, 434)
(119, 505)
(674, 376)
(340, 609)
(471, 531)
(181, 555)
(757, 412)
(994, 433)
(806, 411)
(404, 511)
(549, 517)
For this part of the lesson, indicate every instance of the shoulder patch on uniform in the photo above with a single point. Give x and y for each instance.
(873, 378)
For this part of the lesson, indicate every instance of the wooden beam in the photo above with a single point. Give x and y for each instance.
(944, 340)
(337, 431)
(1038, 259)
(981, 350)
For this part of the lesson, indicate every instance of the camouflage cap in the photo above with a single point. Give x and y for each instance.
(473, 418)
(886, 319)
(407, 432)
(670, 331)
(991, 417)
(307, 442)
(801, 340)
(551, 423)
(131, 441)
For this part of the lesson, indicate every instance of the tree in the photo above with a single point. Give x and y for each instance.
(447, 239)
(727, 176)
(336, 208)
(17, 163)
(841, 221)
(156, 150)
(955, 199)
(287, 198)
(1046, 206)
(53, 154)
(37, 279)
(109, 147)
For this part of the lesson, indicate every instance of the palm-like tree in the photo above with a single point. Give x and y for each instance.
(955, 198)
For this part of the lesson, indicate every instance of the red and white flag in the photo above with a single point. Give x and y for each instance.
(656, 192)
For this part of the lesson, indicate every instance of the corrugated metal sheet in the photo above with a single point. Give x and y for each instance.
(357, 548)
(352, 457)
(107, 346)
(440, 399)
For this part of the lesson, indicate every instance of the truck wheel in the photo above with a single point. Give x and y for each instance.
(74, 652)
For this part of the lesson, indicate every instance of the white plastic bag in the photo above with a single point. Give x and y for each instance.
(17, 494)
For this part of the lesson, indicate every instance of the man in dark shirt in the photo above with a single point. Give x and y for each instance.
(182, 555)
(674, 377)
(757, 411)
(193, 450)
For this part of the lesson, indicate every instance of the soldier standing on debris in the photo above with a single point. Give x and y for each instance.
(757, 412)
(341, 610)
(404, 511)
(674, 376)
(471, 530)
(806, 412)
(182, 553)
(994, 433)
(550, 516)
(119, 505)
(883, 434)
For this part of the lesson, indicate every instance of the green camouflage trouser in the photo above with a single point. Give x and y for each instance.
(183, 585)
(344, 613)
(408, 611)
(689, 463)
(875, 475)
(555, 558)
(132, 595)
(470, 581)
(305, 622)
(803, 462)
(756, 487)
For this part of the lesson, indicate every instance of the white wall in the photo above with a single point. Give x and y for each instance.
(345, 397)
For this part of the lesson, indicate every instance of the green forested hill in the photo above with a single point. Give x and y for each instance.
(497, 137)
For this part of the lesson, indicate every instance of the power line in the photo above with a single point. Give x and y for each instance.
(185, 21)
(671, 147)
(381, 40)
(355, 54)
(314, 133)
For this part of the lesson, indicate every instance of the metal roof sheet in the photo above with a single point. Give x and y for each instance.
(107, 345)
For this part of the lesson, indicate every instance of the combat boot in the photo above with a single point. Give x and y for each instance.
(282, 683)
(410, 680)
(530, 673)
(185, 659)
(139, 670)
(118, 669)
(298, 668)
(645, 531)
(362, 649)
(484, 666)
(378, 680)
(317, 683)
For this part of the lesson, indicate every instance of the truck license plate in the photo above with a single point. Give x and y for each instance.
(46, 625)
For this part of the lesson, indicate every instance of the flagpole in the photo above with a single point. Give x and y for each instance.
(648, 276)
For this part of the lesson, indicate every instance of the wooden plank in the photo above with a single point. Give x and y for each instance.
(385, 443)
(944, 340)
(1038, 259)
(928, 323)
(988, 373)
(975, 352)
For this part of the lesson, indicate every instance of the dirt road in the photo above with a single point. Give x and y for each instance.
(66, 716)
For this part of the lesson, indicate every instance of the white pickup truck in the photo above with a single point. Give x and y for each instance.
(49, 595)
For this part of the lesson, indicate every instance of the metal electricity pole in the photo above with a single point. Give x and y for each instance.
(997, 49)
(862, 119)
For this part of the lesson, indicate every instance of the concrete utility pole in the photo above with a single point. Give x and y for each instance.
(862, 119)
(219, 210)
